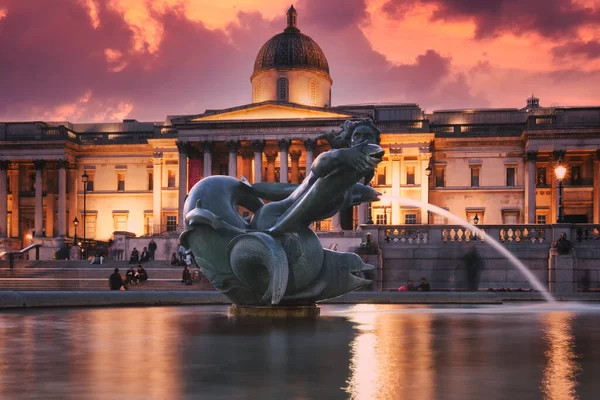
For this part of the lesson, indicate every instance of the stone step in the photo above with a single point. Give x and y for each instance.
(81, 264)
(96, 284)
(81, 273)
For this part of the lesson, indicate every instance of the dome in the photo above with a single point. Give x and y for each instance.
(291, 50)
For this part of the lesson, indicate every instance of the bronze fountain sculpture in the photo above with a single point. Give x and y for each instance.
(273, 257)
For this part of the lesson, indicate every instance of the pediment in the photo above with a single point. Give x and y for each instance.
(270, 111)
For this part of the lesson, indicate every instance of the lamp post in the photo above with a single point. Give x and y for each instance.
(476, 219)
(75, 224)
(560, 171)
(84, 179)
(428, 170)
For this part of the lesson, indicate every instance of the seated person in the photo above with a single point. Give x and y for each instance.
(424, 286)
(115, 281)
(141, 274)
(135, 256)
(97, 259)
(186, 276)
(130, 276)
(408, 288)
(145, 255)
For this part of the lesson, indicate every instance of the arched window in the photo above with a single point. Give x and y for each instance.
(282, 89)
(312, 91)
(257, 92)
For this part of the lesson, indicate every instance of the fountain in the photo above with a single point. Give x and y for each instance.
(491, 241)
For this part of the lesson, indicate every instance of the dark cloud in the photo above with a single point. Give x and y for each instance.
(333, 14)
(589, 50)
(551, 18)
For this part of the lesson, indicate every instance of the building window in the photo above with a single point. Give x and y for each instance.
(380, 176)
(474, 176)
(120, 222)
(541, 219)
(312, 92)
(90, 183)
(171, 178)
(475, 217)
(510, 217)
(150, 180)
(410, 174)
(440, 177)
(410, 219)
(511, 173)
(9, 224)
(282, 89)
(223, 169)
(541, 177)
(121, 181)
(439, 219)
(381, 219)
(149, 224)
(90, 226)
(8, 188)
(575, 175)
(257, 92)
(171, 223)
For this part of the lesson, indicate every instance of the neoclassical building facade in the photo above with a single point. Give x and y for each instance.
(492, 166)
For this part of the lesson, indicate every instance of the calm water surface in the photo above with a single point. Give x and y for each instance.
(358, 352)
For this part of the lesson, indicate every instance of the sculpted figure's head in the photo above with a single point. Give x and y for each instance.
(353, 133)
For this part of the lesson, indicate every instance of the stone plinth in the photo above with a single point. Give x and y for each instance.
(274, 311)
(561, 273)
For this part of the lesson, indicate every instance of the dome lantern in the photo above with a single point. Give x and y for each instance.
(292, 20)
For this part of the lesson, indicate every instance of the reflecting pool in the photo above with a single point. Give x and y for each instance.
(359, 352)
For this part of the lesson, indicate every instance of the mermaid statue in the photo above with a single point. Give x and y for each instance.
(273, 257)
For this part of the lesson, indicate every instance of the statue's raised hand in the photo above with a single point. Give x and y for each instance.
(359, 158)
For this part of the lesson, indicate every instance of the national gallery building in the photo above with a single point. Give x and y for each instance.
(489, 166)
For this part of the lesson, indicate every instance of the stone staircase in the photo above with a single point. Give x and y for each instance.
(80, 275)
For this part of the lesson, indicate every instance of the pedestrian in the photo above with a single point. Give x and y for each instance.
(145, 255)
(424, 286)
(135, 256)
(152, 248)
(115, 281)
(186, 276)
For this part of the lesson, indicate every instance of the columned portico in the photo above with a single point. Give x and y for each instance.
(39, 200)
(246, 164)
(208, 146)
(157, 162)
(396, 158)
(295, 156)
(424, 159)
(271, 157)
(3, 199)
(336, 225)
(258, 146)
(530, 185)
(183, 148)
(233, 146)
(62, 166)
(284, 146)
(309, 145)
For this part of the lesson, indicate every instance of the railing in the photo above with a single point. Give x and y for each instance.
(508, 234)
(11, 255)
(585, 233)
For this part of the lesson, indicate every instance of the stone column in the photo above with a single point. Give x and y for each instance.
(335, 223)
(14, 182)
(530, 185)
(208, 147)
(157, 161)
(596, 201)
(396, 180)
(271, 157)
(247, 164)
(62, 166)
(258, 146)
(309, 145)
(233, 146)
(295, 156)
(39, 199)
(424, 157)
(3, 199)
(363, 210)
(72, 179)
(183, 148)
(284, 147)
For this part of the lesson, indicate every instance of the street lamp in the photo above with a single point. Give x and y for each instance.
(476, 219)
(428, 170)
(560, 171)
(75, 224)
(84, 179)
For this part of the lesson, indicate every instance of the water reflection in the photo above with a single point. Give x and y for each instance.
(391, 355)
(562, 368)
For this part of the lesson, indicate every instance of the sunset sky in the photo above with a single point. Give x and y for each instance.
(106, 60)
